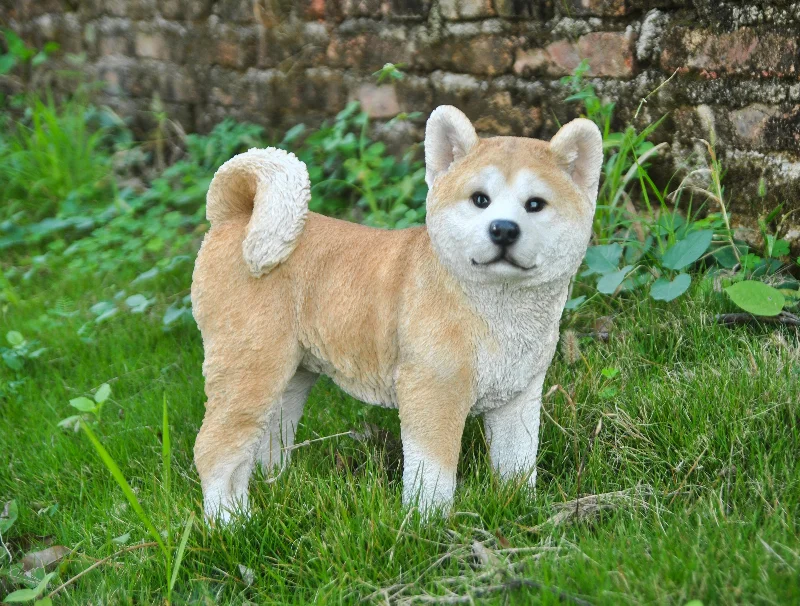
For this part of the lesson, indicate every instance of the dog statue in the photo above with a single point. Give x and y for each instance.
(458, 317)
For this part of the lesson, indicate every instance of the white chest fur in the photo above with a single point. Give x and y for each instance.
(520, 342)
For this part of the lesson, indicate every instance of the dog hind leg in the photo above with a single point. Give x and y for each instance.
(237, 413)
(282, 420)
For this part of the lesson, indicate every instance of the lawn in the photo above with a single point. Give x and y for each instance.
(700, 429)
(668, 460)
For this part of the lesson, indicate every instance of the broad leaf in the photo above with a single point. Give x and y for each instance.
(26, 595)
(687, 251)
(602, 259)
(726, 256)
(776, 247)
(102, 393)
(147, 275)
(101, 307)
(175, 312)
(137, 303)
(83, 404)
(7, 63)
(757, 298)
(609, 283)
(15, 338)
(667, 290)
(12, 360)
(575, 303)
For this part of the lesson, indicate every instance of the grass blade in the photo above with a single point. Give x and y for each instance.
(181, 548)
(126, 488)
(165, 450)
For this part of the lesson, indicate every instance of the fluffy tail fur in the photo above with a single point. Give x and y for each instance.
(270, 189)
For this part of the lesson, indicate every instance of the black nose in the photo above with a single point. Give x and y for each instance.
(503, 233)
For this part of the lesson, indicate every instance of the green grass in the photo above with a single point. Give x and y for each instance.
(705, 417)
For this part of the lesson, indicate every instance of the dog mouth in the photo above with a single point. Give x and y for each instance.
(503, 257)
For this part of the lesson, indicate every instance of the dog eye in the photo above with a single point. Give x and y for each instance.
(534, 205)
(480, 199)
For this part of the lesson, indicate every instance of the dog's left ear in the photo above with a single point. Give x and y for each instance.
(578, 147)
(449, 135)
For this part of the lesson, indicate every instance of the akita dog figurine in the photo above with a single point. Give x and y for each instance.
(455, 318)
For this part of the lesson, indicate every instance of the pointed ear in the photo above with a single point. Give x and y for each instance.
(449, 135)
(578, 147)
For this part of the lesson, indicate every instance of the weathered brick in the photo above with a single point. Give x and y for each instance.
(409, 9)
(600, 8)
(319, 10)
(228, 45)
(531, 62)
(414, 92)
(745, 51)
(378, 101)
(524, 9)
(30, 9)
(110, 36)
(326, 87)
(610, 54)
(227, 87)
(152, 45)
(162, 40)
(64, 29)
(370, 49)
(750, 122)
(468, 93)
(466, 9)
(484, 54)
(363, 8)
(782, 130)
(295, 44)
(247, 11)
(185, 10)
(135, 9)
(93, 9)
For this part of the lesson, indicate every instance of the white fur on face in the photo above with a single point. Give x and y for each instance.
(551, 243)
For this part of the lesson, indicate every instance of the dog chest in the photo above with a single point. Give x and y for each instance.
(519, 345)
(505, 369)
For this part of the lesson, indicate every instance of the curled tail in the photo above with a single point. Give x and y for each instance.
(270, 189)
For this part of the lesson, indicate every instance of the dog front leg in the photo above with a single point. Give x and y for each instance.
(433, 410)
(513, 433)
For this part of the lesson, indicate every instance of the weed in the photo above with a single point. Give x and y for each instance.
(172, 560)
(656, 248)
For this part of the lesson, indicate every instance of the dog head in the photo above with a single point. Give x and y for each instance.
(510, 209)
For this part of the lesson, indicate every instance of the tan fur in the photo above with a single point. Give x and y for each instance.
(360, 297)
(378, 311)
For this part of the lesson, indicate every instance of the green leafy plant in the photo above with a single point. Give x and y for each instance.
(19, 351)
(86, 405)
(627, 157)
(172, 559)
(9, 516)
(355, 177)
(28, 595)
(658, 246)
(757, 298)
(54, 155)
(19, 53)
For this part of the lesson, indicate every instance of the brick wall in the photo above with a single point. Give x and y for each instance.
(278, 62)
